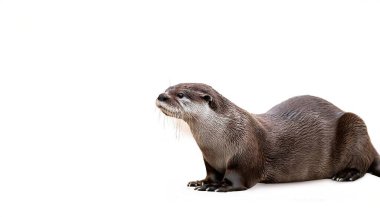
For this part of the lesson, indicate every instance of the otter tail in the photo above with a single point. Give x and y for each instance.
(374, 169)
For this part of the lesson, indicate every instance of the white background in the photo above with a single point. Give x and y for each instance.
(79, 131)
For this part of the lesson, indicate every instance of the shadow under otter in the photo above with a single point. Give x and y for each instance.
(303, 138)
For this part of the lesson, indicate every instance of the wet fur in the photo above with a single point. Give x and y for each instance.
(303, 138)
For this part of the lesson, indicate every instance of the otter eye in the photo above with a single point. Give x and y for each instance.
(180, 95)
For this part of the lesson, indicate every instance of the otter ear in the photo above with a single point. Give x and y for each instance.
(210, 101)
(208, 98)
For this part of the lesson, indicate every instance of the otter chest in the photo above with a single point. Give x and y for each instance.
(215, 149)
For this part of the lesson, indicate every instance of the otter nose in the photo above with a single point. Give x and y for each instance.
(162, 97)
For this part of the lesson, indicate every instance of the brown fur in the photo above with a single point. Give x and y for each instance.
(303, 138)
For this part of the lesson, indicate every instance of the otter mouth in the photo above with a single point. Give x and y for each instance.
(171, 112)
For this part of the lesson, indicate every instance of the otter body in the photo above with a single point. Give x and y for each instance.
(303, 138)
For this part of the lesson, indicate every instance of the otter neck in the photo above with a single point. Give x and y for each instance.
(212, 120)
(227, 126)
(220, 136)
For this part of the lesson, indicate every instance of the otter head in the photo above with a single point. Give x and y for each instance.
(189, 101)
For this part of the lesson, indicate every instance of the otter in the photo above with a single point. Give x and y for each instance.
(303, 138)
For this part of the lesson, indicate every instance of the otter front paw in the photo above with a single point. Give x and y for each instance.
(220, 187)
(230, 188)
(195, 183)
(207, 187)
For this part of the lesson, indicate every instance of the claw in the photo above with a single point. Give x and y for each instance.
(212, 188)
(347, 175)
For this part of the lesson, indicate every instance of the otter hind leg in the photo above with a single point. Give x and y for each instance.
(375, 167)
(347, 175)
(353, 152)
